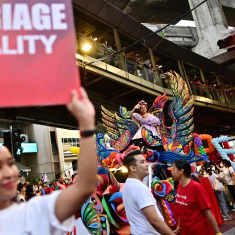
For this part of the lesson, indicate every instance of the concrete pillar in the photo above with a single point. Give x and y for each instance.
(43, 161)
(211, 26)
(59, 136)
(119, 47)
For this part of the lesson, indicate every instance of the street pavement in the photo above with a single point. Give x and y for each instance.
(228, 228)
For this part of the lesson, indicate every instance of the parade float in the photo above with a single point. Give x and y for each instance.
(104, 212)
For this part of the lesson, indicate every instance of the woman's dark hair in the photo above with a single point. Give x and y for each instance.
(73, 176)
(207, 166)
(29, 192)
(19, 187)
(183, 165)
(195, 178)
(226, 163)
(130, 158)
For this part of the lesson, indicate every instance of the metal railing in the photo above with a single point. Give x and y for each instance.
(142, 70)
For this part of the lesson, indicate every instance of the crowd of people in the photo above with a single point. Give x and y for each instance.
(222, 179)
(135, 62)
(53, 212)
(141, 207)
(27, 190)
(195, 208)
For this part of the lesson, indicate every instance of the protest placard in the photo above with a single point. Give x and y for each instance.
(37, 53)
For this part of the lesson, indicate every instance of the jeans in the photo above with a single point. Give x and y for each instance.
(220, 195)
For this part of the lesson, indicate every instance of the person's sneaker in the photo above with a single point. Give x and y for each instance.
(227, 218)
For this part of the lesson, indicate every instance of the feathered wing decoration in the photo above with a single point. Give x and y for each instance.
(158, 104)
(93, 216)
(120, 128)
(181, 112)
(108, 119)
(125, 113)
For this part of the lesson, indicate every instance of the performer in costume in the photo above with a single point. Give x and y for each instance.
(145, 119)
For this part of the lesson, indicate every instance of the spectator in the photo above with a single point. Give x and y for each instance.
(140, 205)
(21, 188)
(219, 189)
(150, 72)
(46, 215)
(29, 192)
(193, 207)
(228, 176)
(35, 188)
(131, 62)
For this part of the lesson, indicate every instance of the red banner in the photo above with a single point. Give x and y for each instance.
(37, 53)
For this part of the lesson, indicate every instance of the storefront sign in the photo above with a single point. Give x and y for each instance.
(37, 53)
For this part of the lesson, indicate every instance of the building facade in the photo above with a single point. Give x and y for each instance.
(46, 151)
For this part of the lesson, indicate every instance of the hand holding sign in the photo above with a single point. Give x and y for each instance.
(83, 110)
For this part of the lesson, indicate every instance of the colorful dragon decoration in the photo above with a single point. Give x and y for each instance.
(176, 140)
(104, 212)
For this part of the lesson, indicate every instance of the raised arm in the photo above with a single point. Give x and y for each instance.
(71, 199)
(133, 110)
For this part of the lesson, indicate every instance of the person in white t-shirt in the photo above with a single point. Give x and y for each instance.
(140, 206)
(213, 175)
(51, 214)
(228, 176)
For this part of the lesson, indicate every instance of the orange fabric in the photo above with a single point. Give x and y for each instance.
(211, 147)
(124, 230)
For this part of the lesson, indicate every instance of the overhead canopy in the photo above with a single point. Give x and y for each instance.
(112, 17)
(159, 11)
(49, 115)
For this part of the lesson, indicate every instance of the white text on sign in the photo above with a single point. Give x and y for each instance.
(39, 18)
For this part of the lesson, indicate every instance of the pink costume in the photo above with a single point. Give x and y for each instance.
(150, 122)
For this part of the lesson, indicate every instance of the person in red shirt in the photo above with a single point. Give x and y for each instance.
(192, 206)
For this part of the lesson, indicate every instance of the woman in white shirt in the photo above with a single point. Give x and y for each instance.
(213, 176)
(228, 176)
(51, 214)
